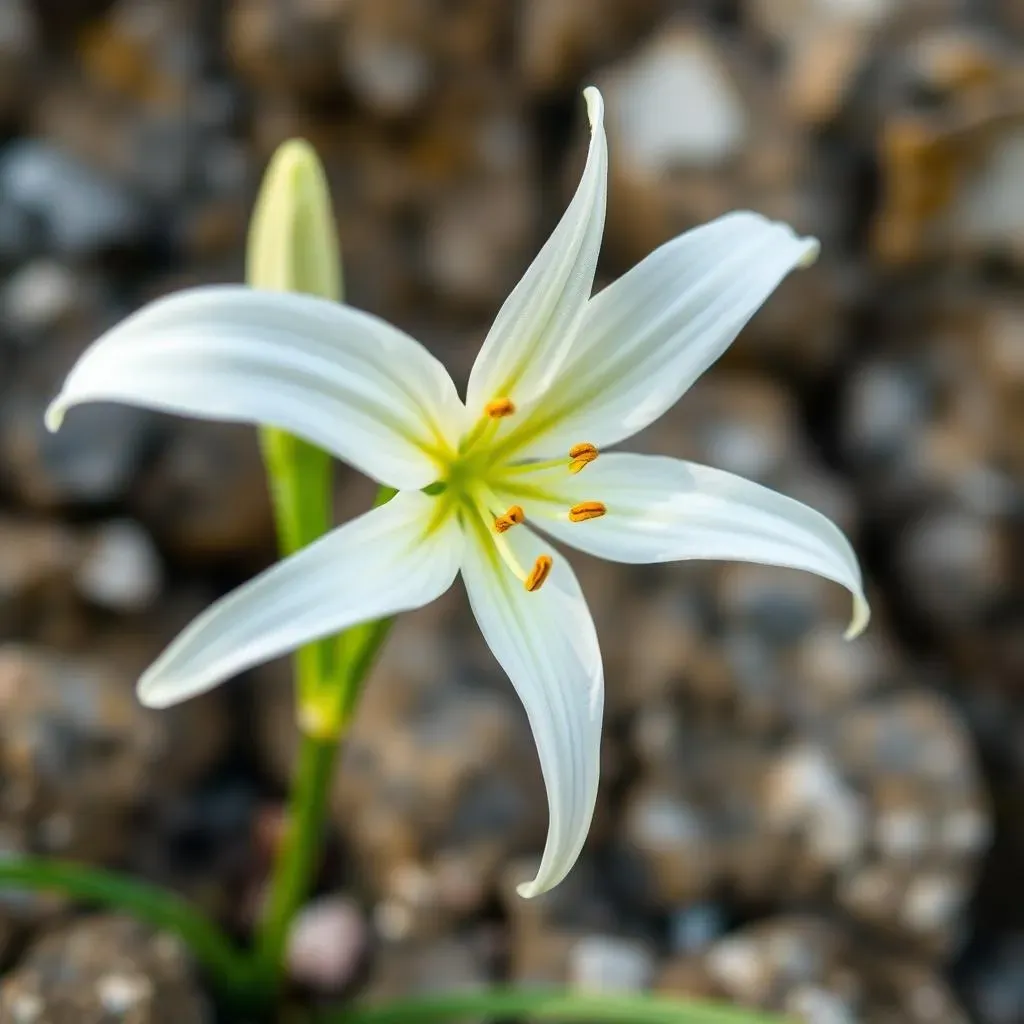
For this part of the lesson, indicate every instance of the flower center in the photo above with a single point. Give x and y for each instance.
(474, 476)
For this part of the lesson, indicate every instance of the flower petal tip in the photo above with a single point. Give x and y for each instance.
(54, 415)
(861, 618)
(527, 890)
(812, 248)
(154, 693)
(296, 154)
(595, 105)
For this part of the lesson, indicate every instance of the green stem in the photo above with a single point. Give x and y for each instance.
(293, 872)
(162, 909)
(593, 1009)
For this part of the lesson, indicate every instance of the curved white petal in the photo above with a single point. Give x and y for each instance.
(663, 510)
(646, 338)
(546, 642)
(535, 327)
(386, 561)
(340, 378)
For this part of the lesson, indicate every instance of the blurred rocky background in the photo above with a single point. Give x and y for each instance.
(788, 821)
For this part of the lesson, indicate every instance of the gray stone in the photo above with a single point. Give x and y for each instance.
(82, 210)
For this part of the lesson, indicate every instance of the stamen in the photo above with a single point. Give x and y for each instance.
(539, 573)
(498, 408)
(587, 510)
(581, 454)
(512, 517)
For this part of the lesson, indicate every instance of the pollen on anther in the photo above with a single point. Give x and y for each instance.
(498, 408)
(587, 510)
(539, 573)
(512, 517)
(581, 455)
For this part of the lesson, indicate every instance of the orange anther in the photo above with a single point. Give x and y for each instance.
(581, 454)
(512, 517)
(539, 573)
(499, 408)
(587, 510)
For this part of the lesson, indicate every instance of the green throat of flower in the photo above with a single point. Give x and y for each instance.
(472, 478)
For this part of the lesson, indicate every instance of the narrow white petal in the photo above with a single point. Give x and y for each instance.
(534, 329)
(665, 510)
(646, 338)
(340, 378)
(546, 642)
(382, 563)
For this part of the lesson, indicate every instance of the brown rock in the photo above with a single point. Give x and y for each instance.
(762, 768)
(944, 168)
(104, 968)
(80, 756)
(293, 48)
(817, 973)
(559, 41)
(91, 461)
(205, 497)
(19, 44)
(38, 561)
(439, 966)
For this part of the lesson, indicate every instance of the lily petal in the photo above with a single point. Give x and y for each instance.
(665, 510)
(646, 338)
(386, 561)
(547, 643)
(534, 329)
(340, 378)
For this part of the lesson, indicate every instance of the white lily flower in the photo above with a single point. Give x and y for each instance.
(560, 376)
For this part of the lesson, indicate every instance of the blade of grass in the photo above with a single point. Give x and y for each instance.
(164, 910)
(553, 1006)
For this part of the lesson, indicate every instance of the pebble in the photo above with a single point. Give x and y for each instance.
(81, 756)
(91, 462)
(607, 963)
(675, 105)
(204, 497)
(103, 968)
(817, 972)
(327, 944)
(38, 296)
(122, 569)
(38, 561)
(83, 212)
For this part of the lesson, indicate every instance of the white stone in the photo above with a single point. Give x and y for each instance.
(932, 902)
(806, 790)
(966, 831)
(38, 294)
(816, 1005)
(326, 943)
(607, 963)
(901, 832)
(665, 823)
(388, 74)
(739, 966)
(675, 105)
(120, 993)
(123, 570)
(83, 211)
(26, 1007)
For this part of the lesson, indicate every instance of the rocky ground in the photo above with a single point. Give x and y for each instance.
(785, 820)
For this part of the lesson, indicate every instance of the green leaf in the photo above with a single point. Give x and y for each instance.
(555, 1006)
(227, 967)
